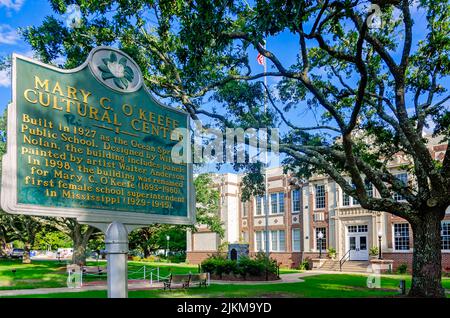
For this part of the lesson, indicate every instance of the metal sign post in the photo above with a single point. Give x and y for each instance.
(116, 241)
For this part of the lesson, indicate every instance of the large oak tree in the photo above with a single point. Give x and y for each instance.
(352, 77)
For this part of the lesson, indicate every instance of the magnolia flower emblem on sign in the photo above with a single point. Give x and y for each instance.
(117, 70)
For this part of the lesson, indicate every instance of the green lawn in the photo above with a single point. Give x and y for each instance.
(49, 274)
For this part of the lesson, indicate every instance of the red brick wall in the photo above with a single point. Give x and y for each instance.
(406, 258)
(198, 257)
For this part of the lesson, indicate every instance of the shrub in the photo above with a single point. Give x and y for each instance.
(248, 266)
(304, 266)
(402, 268)
(269, 262)
(177, 258)
(373, 251)
(219, 265)
(331, 252)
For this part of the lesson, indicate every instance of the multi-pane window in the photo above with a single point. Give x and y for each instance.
(274, 203)
(274, 240)
(369, 188)
(401, 236)
(260, 241)
(281, 202)
(357, 228)
(445, 235)
(296, 201)
(277, 203)
(282, 241)
(320, 196)
(348, 200)
(259, 205)
(244, 209)
(403, 178)
(296, 240)
(278, 241)
(321, 242)
(245, 236)
(355, 201)
(345, 199)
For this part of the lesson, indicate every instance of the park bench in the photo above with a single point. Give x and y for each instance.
(94, 269)
(175, 280)
(199, 279)
(186, 280)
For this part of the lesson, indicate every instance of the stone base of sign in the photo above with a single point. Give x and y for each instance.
(381, 265)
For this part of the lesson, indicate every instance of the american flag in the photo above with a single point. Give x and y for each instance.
(261, 59)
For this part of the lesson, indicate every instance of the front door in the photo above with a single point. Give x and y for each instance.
(357, 243)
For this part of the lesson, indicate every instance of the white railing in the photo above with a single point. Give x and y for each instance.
(75, 277)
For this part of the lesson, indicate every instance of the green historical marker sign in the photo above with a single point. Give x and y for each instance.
(92, 143)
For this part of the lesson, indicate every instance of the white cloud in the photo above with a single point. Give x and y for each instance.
(12, 4)
(5, 78)
(8, 35)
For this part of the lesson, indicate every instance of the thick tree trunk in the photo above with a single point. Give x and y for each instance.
(26, 254)
(79, 249)
(427, 268)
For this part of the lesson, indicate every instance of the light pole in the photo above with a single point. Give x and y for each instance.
(380, 234)
(167, 249)
(320, 236)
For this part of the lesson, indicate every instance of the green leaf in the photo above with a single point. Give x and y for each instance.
(123, 61)
(106, 76)
(104, 68)
(124, 82)
(105, 61)
(129, 70)
(118, 83)
(113, 57)
(128, 77)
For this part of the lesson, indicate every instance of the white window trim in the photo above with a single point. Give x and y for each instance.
(263, 242)
(279, 194)
(243, 204)
(292, 201)
(262, 207)
(350, 200)
(393, 239)
(316, 240)
(324, 196)
(448, 222)
(271, 248)
(407, 179)
(299, 240)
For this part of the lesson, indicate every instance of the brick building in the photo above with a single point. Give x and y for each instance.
(298, 212)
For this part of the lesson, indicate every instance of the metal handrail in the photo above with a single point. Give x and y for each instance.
(343, 260)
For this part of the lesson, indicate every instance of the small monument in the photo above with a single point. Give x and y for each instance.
(236, 251)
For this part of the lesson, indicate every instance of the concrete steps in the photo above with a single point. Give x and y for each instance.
(348, 266)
